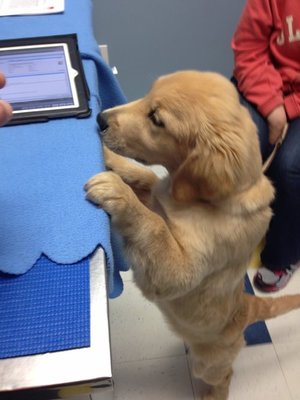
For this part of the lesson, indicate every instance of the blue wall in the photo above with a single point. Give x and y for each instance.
(150, 38)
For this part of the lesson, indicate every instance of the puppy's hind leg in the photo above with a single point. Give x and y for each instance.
(213, 362)
(217, 375)
(218, 379)
(220, 391)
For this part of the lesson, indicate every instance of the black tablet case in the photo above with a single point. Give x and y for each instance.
(80, 82)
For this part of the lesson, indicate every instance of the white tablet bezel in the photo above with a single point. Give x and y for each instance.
(72, 73)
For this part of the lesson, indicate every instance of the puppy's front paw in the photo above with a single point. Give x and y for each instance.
(112, 160)
(109, 192)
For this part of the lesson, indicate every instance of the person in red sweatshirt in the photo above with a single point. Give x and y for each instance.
(266, 46)
(5, 108)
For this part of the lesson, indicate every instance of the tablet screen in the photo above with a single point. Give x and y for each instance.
(38, 78)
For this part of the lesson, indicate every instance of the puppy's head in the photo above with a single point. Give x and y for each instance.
(193, 124)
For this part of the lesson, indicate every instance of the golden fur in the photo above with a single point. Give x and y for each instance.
(189, 236)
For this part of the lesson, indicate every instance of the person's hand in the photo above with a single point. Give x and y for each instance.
(5, 108)
(276, 120)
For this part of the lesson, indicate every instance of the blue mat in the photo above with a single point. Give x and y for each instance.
(45, 166)
(256, 333)
(45, 310)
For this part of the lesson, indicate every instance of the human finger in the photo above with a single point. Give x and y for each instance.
(2, 80)
(5, 112)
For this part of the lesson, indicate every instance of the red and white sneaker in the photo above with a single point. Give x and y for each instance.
(272, 281)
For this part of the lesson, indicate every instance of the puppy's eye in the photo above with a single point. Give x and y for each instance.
(155, 119)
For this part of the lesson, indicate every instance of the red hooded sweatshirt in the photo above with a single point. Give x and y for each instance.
(266, 48)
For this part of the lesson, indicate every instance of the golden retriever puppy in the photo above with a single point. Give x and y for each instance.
(189, 236)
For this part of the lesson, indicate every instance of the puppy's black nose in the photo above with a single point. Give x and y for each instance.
(102, 122)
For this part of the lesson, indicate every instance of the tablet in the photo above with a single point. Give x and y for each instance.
(44, 78)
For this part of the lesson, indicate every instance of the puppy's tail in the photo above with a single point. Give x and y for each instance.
(262, 308)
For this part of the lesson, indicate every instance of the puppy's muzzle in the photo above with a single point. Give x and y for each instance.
(102, 122)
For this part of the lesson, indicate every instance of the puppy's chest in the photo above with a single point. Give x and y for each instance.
(194, 217)
(157, 207)
(161, 201)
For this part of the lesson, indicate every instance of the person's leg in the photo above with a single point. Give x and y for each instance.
(262, 128)
(283, 238)
(281, 254)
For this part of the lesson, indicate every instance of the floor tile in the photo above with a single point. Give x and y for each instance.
(289, 359)
(127, 276)
(102, 394)
(158, 379)
(138, 330)
(258, 376)
(80, 397)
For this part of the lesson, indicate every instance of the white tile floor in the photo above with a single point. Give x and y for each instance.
(150, 362)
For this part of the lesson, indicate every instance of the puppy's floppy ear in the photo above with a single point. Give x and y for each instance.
(203, 176)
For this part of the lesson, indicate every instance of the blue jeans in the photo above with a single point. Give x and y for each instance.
(282, 246)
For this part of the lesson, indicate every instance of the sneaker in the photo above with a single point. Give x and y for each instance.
(272, 281)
